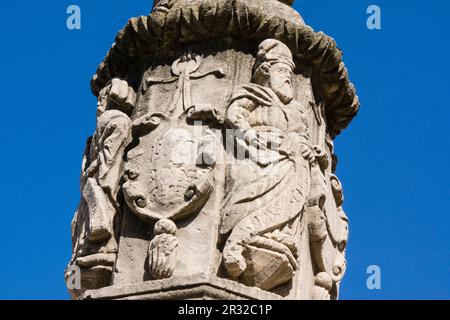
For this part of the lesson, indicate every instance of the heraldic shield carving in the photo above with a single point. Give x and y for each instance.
(169, 173)
(166, 175)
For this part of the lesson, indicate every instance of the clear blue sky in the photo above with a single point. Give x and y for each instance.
(394, 158)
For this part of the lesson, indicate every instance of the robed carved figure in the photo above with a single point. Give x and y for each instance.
(269, 185)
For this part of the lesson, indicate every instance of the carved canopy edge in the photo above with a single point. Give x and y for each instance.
(145, 36)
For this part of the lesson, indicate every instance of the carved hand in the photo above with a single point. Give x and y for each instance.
(308, 153)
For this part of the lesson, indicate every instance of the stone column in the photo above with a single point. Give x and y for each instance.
(211, 171)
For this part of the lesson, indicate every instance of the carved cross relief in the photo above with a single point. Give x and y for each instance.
(183, 70)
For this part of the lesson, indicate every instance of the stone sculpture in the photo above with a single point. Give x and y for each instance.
(211, 171)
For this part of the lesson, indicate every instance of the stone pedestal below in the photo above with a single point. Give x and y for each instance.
(200, 286)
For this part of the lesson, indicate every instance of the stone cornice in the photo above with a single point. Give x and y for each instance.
(204, 20)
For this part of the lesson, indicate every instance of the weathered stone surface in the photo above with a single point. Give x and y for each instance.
(211, 171)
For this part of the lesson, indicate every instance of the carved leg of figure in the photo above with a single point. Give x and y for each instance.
(100, 222)
(276, 214)
(255, 224)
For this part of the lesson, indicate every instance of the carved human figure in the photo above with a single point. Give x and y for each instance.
(94, 244)
(270, 183)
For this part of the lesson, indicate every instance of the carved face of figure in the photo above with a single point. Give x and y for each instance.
(280, 81)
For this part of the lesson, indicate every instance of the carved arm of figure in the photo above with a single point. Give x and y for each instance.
(259, 148)
(236, 118)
